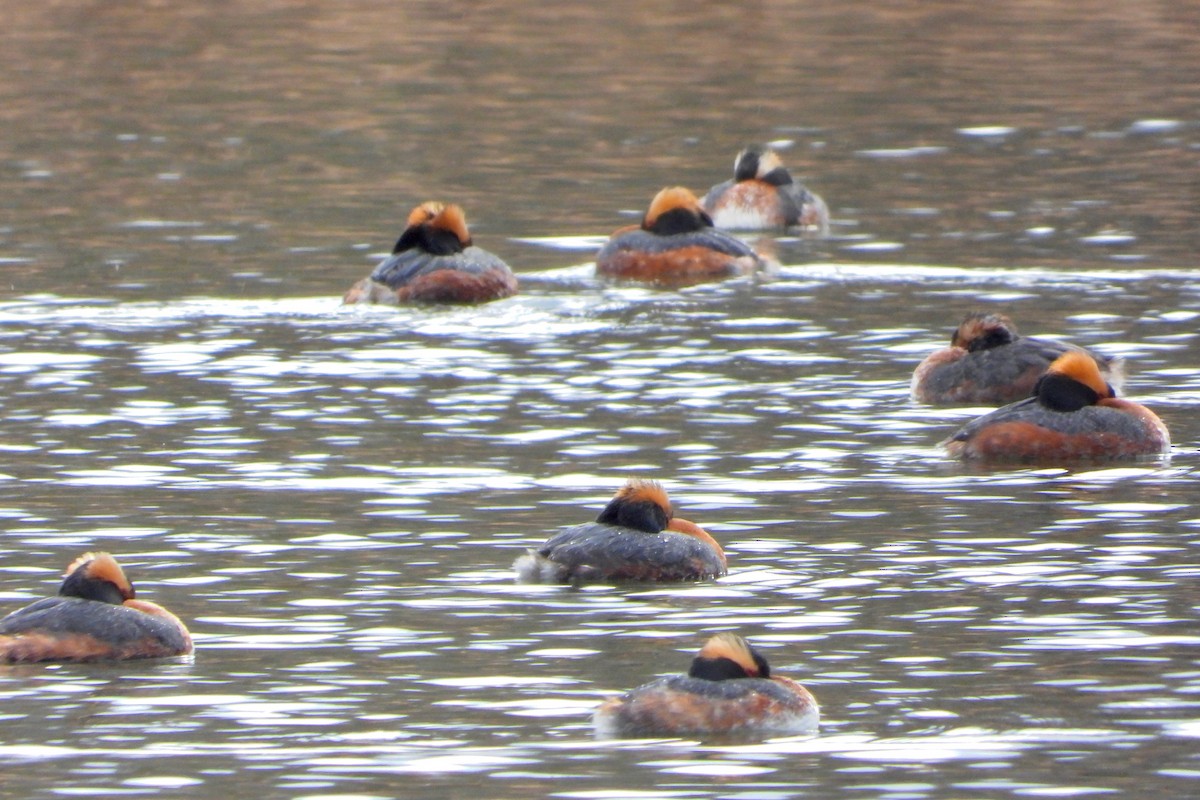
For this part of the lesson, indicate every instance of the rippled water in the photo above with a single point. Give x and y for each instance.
(332, 498)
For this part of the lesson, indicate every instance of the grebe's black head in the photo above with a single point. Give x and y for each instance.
(96, 576)
(728, 656)
(675, 210)
(639, 504)
(745, 166)
(436, 228)
(759, 162)
(1072, 382)
(983, 331)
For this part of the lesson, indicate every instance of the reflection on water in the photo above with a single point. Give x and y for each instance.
(333, 497)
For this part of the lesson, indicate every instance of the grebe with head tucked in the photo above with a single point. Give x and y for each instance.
(728, 690)
(763, 195)
(94, 617)
(675, 245)
(989, 363)
(435, 261)
(1073, 415)
(635, 538)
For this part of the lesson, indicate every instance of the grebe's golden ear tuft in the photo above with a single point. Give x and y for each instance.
(1081, 368)
(728, 656)
(451, 218)
(673, 198)
(640, 490)
(437, 228)
(1071, 383)
(424, 213)
(100, 567)
(732, 647)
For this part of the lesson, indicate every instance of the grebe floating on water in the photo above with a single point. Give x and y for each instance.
(1073, 415)
(763, 195)
(94, 618)
(434, 261)
(989, 363)
(635, 538)
(675, 245)
(728, 690)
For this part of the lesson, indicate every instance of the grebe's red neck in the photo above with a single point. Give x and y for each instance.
(692, 529)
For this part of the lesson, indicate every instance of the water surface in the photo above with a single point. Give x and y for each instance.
(332, 498)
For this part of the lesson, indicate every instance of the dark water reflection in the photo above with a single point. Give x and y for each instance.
(332, 497)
